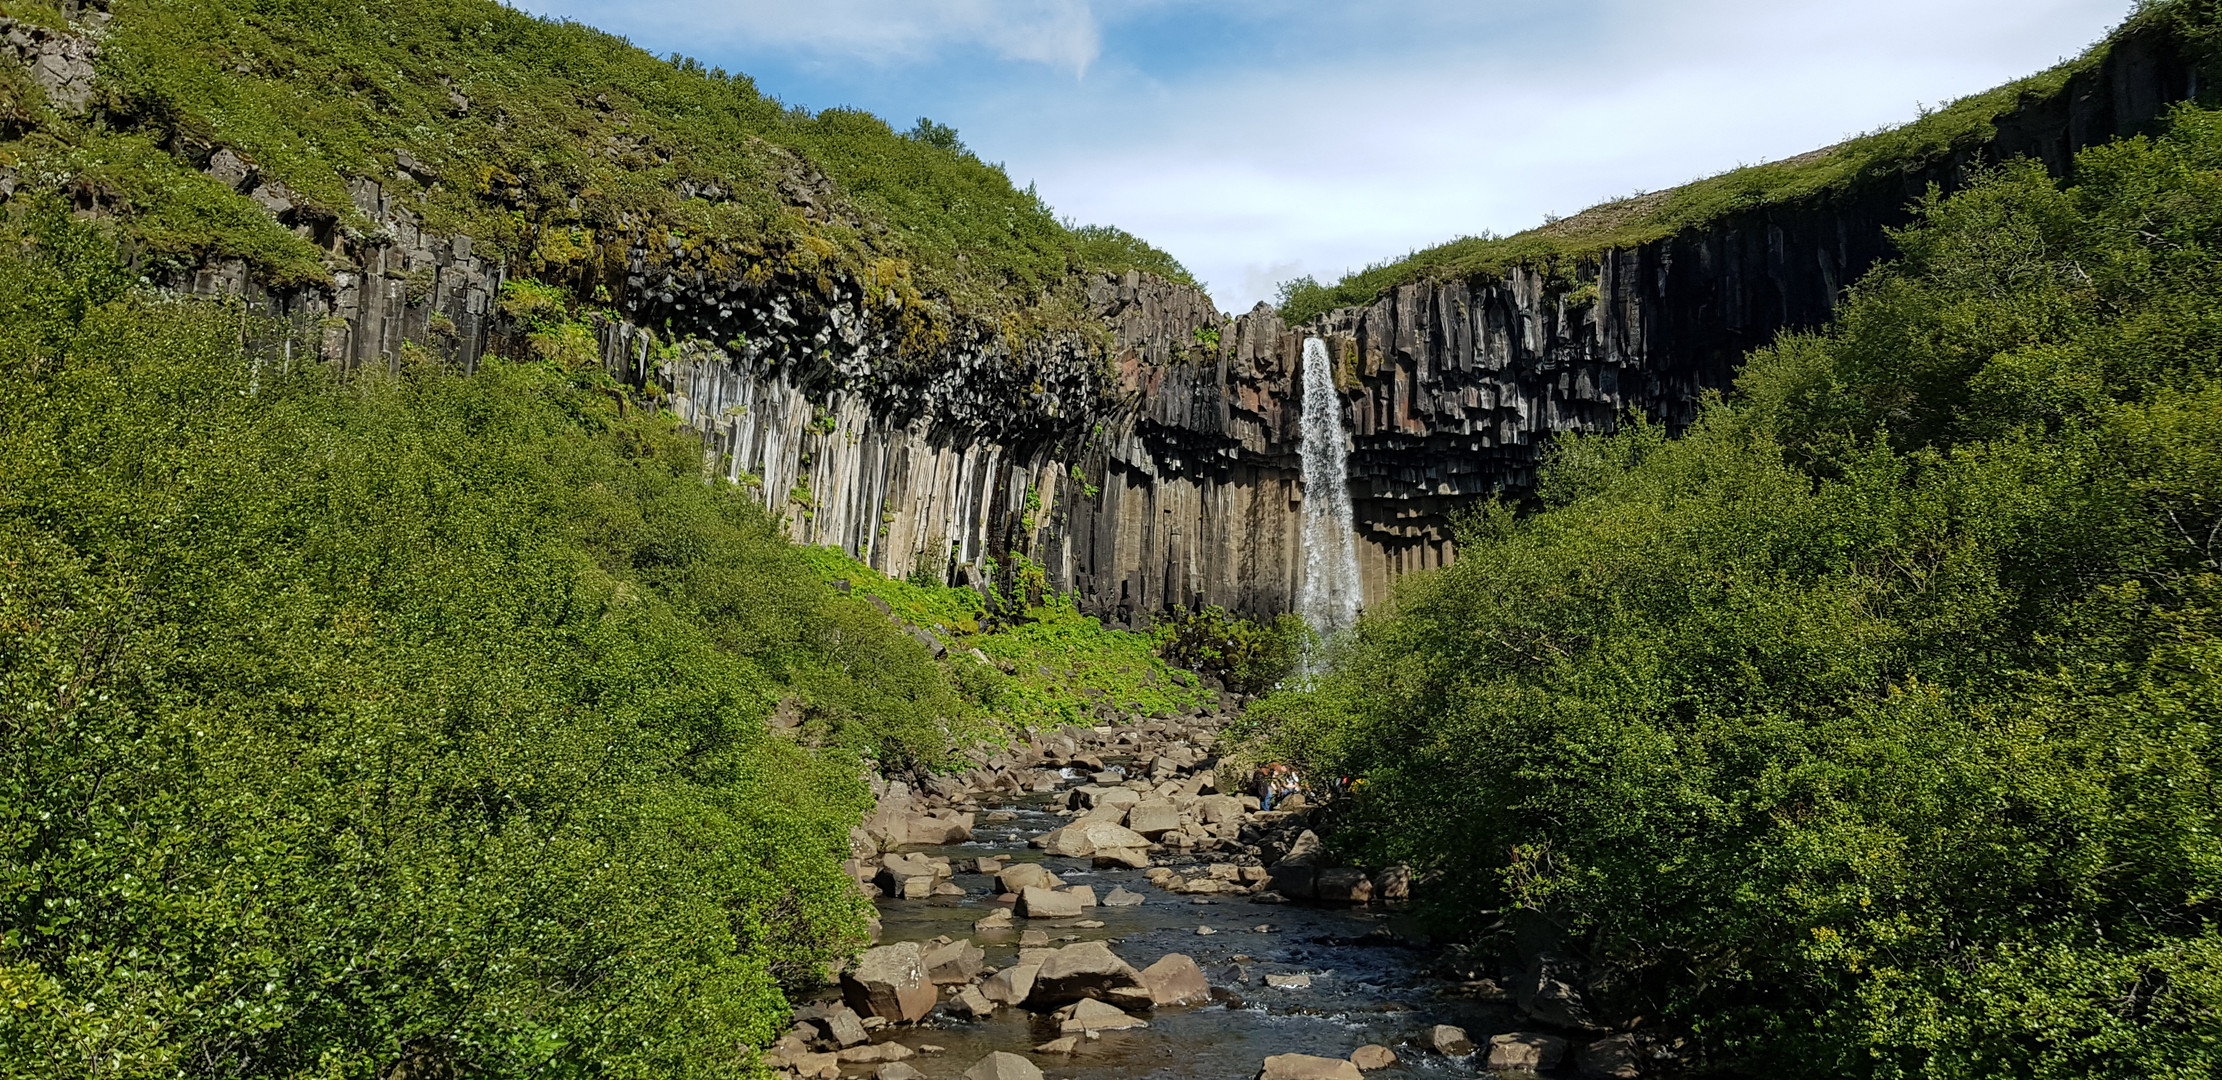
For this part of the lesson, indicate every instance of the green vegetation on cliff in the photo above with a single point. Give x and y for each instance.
(547, 142)
(1870, 729)
(413, 716)
(1814, 177)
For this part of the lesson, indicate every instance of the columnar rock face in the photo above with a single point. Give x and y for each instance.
(1151, 466)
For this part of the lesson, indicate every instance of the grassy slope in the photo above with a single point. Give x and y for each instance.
(1818, 175)
(538, 138)
(1061, 663)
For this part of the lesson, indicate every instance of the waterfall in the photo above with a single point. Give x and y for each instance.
(1328, 597)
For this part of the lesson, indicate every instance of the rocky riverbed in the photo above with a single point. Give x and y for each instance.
(1093, 904)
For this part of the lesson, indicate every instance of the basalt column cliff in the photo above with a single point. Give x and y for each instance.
(1146, 457)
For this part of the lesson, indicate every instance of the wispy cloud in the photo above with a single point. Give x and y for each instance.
(1258, 140)
(1061, 34)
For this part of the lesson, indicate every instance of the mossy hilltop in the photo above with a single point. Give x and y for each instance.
(554, 146)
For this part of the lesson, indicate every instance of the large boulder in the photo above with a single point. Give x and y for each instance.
(954, 963)
(1035, 902)
(839, 1023)
(1018, 876)
(1011, 985)
(890, 982)
(1343, 885)
(1216, 809)
(1523, 1051)
(1093, 797)
(1372, 1056)
(1307, 850)
(942, 827)
(1003, 1066)
(1307, 1067)
(1153, 819)
(1088, 969)
(1548, 992)
(1450, 1041)
(1083, 838)
(1175, 980)
(1089, 1014)
(1297, 881)
(1612, 1058)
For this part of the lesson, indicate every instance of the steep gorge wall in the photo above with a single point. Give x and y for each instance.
(1146, 461)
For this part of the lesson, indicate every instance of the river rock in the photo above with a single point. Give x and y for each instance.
(1084, 838)
(890, 981)
(1343, 885)
(1293, 880)
(1089, 1014)
(1612, 1058)
(1062, 1045)
(839, 1023)
(1093, 797)
(896, 1070)
(1289, 982)
(1153, 819)
(1011, 985)
(1175, 980)
(1522, 1051)
(1120, 897)
(1035, 902)
(1218, 809)
(1450, 1041)
(999, 919)
(1082, 970)
(1003, 1066)
(1019, 876)
(954, 963)
(1372, 1056)
(1131, 858)
(972, 1002)
(1307, 850)
(1307, 1067)
(821, 1066)
(1548, 992)
(1393, 883)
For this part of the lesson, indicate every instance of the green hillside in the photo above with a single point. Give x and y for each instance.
(545, 141)
(1808, 178)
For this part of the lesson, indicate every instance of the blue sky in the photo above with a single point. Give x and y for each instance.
(1258, 140)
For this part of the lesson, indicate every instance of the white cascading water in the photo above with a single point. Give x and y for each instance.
(1328, 596)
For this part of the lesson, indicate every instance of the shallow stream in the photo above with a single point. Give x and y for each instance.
(1368, 984)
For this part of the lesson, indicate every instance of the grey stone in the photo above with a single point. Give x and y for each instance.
(1522, 1051)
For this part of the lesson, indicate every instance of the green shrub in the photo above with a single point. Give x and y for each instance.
(1247, 655)
(1866, 730)
(414, 716)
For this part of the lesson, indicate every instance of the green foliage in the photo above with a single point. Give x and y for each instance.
(1868, 729)
(412, 716)
(1061, 663)
(1938, 134)
(542, 139)
(1248, 656)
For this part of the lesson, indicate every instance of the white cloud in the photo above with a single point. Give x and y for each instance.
(1062, 34)
(1329, 160)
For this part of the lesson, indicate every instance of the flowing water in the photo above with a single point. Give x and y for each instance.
(1329, 595)
(1369, 983)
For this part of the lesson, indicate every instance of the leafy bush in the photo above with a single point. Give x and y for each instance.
(343, 722)
(1867, 730)
(1246, 655)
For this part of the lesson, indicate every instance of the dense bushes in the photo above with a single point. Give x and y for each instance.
(1249, 656)
(343, 721)
(1868, 730)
